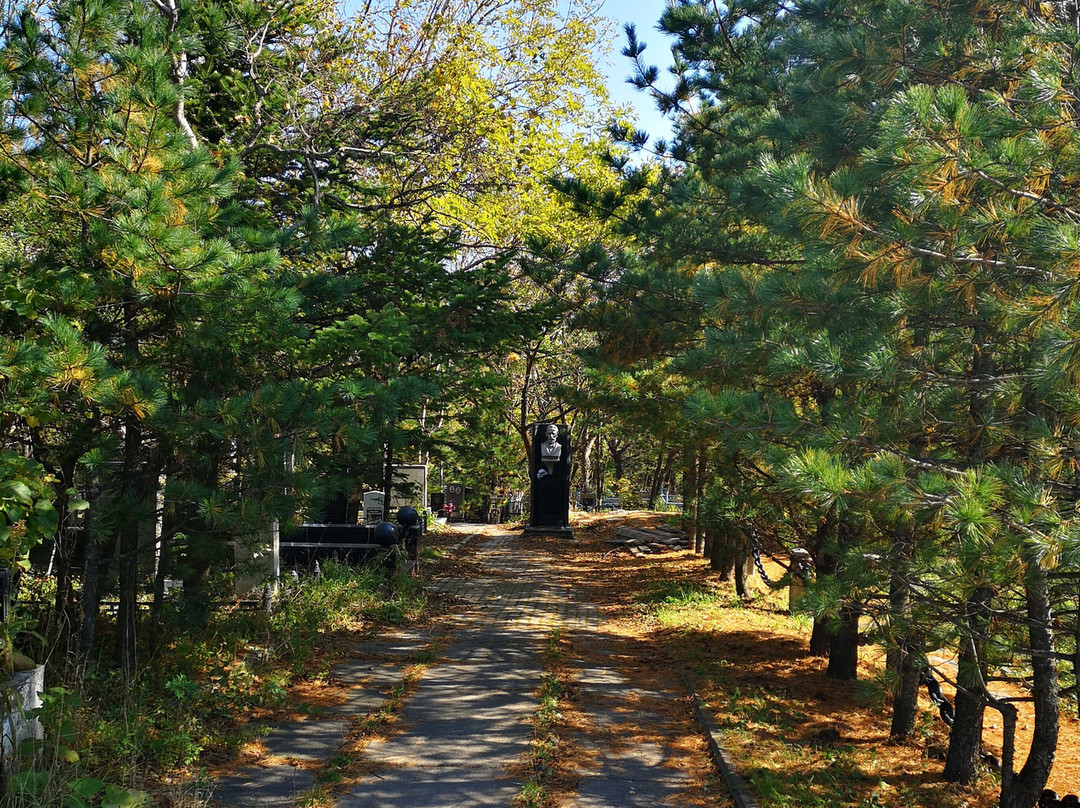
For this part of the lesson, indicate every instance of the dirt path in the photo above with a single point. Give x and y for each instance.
(466, 696)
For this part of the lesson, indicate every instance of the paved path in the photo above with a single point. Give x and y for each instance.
(462, 737)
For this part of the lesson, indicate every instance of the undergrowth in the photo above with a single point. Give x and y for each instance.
(104, 734)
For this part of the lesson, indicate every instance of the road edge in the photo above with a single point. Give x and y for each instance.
(740, 791)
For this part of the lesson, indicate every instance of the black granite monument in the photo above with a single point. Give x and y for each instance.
(549, 471)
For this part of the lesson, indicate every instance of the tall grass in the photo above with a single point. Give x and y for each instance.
(108, 734)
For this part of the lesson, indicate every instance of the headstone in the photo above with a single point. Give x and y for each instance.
(549, 472)
(409, 487)
(335, 512)
(373, 507)
(454, 499)
(258, 559)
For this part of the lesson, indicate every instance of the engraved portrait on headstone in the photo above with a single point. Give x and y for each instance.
(550, 476)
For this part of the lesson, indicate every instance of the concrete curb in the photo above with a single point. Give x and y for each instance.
(740, 791)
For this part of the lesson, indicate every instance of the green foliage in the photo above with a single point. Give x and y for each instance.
(189, 701)
(874, 206)
(53, 772)
(27, 515)
(253, 253)
(250, 256)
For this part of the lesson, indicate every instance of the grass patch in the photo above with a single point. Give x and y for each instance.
(680, 594)
(545, 743)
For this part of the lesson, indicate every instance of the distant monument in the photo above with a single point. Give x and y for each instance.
(549, 471)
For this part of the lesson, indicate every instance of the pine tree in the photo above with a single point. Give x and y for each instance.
(892, 189)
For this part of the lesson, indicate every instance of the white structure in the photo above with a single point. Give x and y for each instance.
(373, 507)
(256, 561)
(410, 487)
(22, 693)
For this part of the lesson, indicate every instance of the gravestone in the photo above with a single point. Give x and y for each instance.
(257, 562)
(549, 471)
(454, 500)
(410, 487)
(373, 507)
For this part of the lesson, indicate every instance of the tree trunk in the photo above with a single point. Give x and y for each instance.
(724, 547)
(905, 711)
(657, 478)
(965, 740)
(820, 638)
(702, 484)
(902, 657)
(159, 591)
(744, 564)
(599, 460)
(124, 651)
(665, 475)
(65, 539)
(1024, 789)
(844, 646)
(168, 531)
(825, 564)
(588, 476)
(1009, 715)
(1076, 655)
(64, 543)
(690, 504)
(95, 575)
(617, 450)
(91, 600)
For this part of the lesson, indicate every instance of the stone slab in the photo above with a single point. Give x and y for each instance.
(633, 778)
(367, 672)
(496, 677)
(456, 744)
(305, 740)
(359, 701)
(262, 787)
(457, 703)
(441, 789)
(400, 644)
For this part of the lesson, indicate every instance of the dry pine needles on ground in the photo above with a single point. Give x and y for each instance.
(801, 738)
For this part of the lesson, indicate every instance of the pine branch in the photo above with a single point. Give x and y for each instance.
(844, 212)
